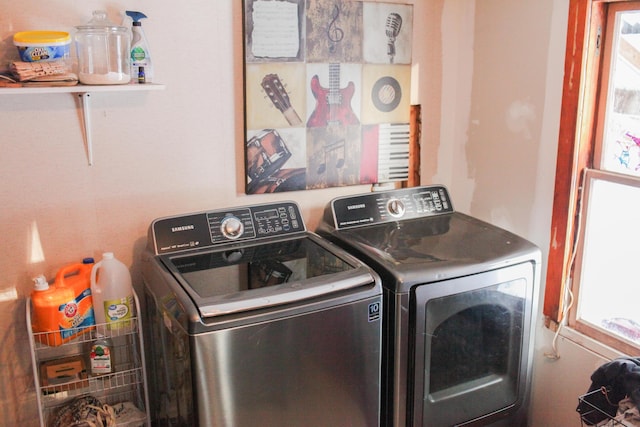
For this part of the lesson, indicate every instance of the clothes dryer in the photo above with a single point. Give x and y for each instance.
(460, 298)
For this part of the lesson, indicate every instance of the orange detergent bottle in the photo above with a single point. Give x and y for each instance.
(64, 310)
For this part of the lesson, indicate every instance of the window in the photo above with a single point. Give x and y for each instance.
(594, 226)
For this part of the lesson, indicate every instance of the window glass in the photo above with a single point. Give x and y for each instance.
(609, 295)
(621, 139)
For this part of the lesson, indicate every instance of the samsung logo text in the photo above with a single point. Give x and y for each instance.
(352, 207)
(182, 228)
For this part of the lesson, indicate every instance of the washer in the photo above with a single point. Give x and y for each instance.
(256, 321)
(459, 297)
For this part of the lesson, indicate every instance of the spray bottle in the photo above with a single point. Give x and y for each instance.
(141, 67)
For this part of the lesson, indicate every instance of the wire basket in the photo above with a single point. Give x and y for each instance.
(592, 414)
(126, 384)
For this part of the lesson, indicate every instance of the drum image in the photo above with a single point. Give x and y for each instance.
(266, 154)
(282, 180)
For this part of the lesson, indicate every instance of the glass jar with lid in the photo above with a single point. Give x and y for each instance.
(103, 51)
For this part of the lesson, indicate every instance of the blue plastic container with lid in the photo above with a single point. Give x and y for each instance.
(37, 46)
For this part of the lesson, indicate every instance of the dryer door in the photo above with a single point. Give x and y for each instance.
(471, 346)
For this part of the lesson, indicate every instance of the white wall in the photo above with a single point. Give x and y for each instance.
(487, 73)
(156, 153)
(503, 66)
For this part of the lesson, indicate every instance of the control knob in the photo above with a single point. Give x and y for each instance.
(396, 208)
(231, 227)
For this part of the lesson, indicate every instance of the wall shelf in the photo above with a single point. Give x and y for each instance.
(84, 94)
(80, 88)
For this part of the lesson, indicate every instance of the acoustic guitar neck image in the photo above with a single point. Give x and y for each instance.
(273, 87)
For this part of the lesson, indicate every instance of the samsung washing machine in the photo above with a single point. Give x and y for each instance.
(460, 298)
(255, 321)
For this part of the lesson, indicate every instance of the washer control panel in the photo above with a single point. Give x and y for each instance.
(210, 228)
(392, 205)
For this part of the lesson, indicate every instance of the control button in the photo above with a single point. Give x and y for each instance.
(232, 227)
(395, 207)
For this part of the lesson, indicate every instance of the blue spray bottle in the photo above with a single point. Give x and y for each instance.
(141, 67)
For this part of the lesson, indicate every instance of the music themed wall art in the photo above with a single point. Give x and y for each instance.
(327, 88)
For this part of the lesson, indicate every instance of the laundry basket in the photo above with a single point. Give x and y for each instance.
(596, 409)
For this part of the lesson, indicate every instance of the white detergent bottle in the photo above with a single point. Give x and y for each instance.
(141, 67)
(112, 293)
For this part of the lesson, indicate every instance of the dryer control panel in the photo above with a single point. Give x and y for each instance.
(392, 205)
(205, 229)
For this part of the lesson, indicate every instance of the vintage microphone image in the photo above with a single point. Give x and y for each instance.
(392, 29)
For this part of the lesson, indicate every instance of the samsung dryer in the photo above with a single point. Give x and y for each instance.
(460, 298)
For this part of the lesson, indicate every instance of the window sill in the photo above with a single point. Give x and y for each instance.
(590, 344)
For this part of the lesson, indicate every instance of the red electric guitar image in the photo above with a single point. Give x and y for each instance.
(333, 105)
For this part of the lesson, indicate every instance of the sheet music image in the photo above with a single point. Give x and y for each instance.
(330, 78)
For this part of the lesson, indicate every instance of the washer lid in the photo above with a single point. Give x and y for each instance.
(248, 277)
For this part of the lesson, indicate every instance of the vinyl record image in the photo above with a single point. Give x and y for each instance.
(386, 94)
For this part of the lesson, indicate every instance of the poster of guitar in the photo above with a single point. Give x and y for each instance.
(327, 93)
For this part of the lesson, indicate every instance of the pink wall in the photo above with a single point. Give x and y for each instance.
(180, 150)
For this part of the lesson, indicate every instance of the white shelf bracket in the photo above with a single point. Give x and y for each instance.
(85, 98)
(84, 95)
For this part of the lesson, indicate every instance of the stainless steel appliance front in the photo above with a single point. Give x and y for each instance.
(269, 325)
(459, 304)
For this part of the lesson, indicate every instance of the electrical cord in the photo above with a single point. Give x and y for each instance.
(555, 354)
